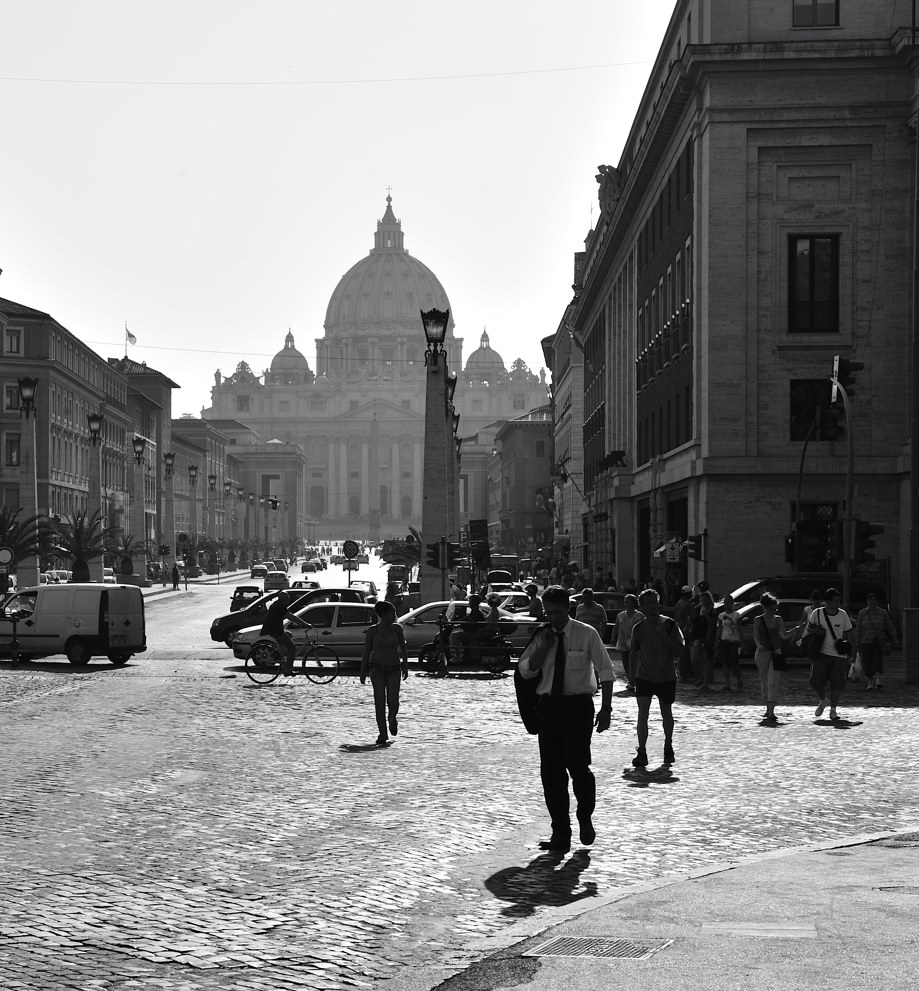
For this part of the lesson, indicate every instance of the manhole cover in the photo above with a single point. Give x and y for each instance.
(599, 946)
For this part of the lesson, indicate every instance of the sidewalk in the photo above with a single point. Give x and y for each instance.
(157, 588)
(817, 917)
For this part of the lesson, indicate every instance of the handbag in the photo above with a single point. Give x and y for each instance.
(812, 642)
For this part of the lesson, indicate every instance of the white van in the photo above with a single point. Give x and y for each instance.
(79, 620)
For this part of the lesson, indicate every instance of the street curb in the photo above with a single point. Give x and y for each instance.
(521, 932)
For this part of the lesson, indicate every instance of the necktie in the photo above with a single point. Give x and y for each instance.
(558, 675)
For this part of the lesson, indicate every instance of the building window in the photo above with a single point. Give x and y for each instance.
(242, 404)
(809, 404)
(813, 284)
(12, 342)
(11, 397)
(317, 405)
(815, 13)
(11, 450)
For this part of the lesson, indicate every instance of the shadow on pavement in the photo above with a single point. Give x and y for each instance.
(362, 748)
(544, 881)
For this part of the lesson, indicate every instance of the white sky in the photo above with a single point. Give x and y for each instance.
(208, 169)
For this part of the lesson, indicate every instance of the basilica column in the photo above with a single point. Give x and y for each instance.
(365, 477)
(417, 476)
(343, 504)
(395, 474)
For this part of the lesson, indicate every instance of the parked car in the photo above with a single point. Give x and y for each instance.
(225, 627)
(800, 586)
(243, 595)
(339, 625)
(304, 583)
(308, 567)
(275, 580)
(258, 571)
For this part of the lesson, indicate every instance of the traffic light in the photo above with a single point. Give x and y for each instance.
(864, 531)
(812, 539)
(844, 370)
(164, 550)
(453, 553)
(694, 549)
(434, 554)
(830, 425)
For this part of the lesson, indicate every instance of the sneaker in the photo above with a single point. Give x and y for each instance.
(820, 708)
(382, 741)
(669, 756)
(640, 759)
(834, 715)
(869, 687)
(771, 718)
(394, 727)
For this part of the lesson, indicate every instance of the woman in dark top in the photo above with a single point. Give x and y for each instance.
(701, 636)
(384, 649)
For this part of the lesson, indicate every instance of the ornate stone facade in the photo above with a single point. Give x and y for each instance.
(359, 417)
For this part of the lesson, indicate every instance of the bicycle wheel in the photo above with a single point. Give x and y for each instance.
(263, 662)
(321, 664)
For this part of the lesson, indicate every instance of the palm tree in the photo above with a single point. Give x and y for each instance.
(80, 538)
(22, 536)
(127, 547)
(233, 547)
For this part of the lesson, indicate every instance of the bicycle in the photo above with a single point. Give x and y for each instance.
(265, 660)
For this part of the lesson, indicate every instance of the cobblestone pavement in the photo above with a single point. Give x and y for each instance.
(171, 826)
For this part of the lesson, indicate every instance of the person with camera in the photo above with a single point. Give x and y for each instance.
(828, 669)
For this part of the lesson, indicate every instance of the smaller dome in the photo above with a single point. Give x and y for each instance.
(484, 362)
(289, 359)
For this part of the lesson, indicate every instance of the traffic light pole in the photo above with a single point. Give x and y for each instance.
(848, 517)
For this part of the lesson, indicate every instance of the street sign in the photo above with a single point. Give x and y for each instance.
(350, 549)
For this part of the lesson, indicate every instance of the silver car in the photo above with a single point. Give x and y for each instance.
(339, 625)
(421, 627)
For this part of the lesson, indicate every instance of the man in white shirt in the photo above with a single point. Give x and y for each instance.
(831, 666)
(569, 658)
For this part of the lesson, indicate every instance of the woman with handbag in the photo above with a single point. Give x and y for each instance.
(768, 634)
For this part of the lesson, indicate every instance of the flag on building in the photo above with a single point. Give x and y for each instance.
(129, 337)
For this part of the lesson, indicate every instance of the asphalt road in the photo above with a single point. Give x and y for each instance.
(170, 825)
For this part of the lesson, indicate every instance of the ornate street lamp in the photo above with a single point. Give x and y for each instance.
(451, 386)
(212, 482)
(170, 460)
(251, 498)
(261, 501)
(227, 488)
(456, 419)
(240, 493)
(193, 474)
(435, 331)
(27, 387)
(95, 427)
(139, 445)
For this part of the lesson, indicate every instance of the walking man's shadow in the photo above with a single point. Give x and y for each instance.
(542, 882)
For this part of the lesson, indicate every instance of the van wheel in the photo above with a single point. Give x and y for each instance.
(78, 652)
(119, 659)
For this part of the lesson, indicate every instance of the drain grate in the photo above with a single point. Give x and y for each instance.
(599, 946)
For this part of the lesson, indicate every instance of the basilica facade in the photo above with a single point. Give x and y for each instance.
(359, 415)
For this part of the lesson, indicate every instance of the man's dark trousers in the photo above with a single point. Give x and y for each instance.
(565, 725)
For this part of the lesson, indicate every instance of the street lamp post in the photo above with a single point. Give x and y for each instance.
(437, 477)
(169, 531)
(94, 422)
(193, 529)
(138, 517)
(27, 570)
(210, 527)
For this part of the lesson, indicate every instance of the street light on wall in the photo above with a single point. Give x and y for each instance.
(139, 445)
(451, 386)
(27, 387)
(170, 460)
(227, 488)
(193, 475)
(212, 483)
(456, 420)
(240, 493)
